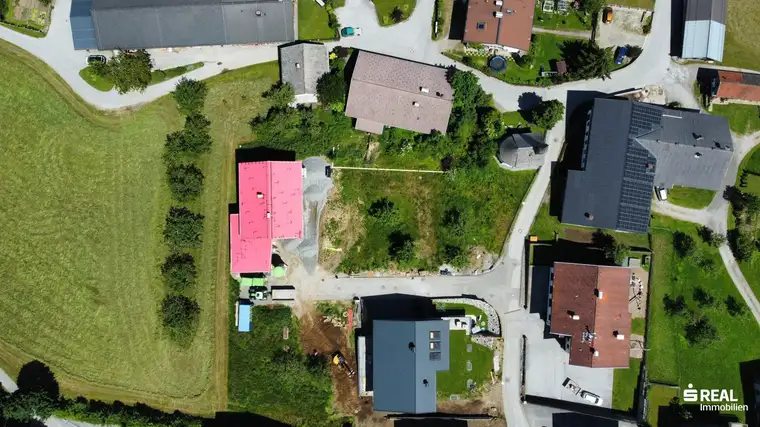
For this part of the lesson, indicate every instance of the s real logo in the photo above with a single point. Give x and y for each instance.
(708, 395)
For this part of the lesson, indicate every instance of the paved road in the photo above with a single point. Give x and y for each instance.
(715, 216)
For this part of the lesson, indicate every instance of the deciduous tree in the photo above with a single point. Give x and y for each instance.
(684, 244)
(26, 405)
(179, 271)
(183, 228)
(331, 90)
(130, 71)
(190, 95)
(547, 114)
(281, 94)
(700, 332)
(185, 181)
(179, 315)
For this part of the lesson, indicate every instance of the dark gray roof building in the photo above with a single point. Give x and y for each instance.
(632, 147)
(302, 64)
(406, 357)
(704, 29)
(138, 24)
(523, 151)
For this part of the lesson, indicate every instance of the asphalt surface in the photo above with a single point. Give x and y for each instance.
(501, 287)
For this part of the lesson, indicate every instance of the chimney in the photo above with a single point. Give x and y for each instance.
(697, 155)
(498, 14)
(599, 294)
(499, 2)
(259, 195)
(589, 216)
(423, 89)
(416, 104)
(596, 353)
(576, 317)
(298, 65)
(269, 214)
(620, 336)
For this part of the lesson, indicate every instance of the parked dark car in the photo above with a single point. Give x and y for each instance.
(96, 59)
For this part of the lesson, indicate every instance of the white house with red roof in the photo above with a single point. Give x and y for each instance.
(270, 200)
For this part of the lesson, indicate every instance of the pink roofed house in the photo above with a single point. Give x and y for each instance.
(270, 204)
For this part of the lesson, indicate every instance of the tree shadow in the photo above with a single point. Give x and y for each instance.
(37, 376)
(528, 101)
(458, 20)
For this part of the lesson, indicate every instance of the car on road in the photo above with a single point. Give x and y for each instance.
(96, 59)
(350, 31)
(591, 397)
(620, 56)
(607, 19)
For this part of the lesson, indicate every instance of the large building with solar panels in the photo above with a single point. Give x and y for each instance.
(145, 24)
(632, 147)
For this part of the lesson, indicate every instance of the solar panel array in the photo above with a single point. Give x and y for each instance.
(638, 173)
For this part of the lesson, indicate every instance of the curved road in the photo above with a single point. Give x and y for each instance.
(410, 40)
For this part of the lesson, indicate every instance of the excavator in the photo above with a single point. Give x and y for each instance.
(340, 361)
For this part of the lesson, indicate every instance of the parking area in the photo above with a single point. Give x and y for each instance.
(626, 28)
(547, 367)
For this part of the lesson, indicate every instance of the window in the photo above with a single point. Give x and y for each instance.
(435, 345)
(436, 355)
(435, 335)
(481, 25)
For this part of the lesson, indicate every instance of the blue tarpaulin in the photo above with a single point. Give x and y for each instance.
(244, 318)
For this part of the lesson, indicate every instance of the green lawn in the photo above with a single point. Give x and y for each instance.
(671, 359)
(454, 381)
(94, 80)
(384, 8)
(644, 4)
(84, 202)
(742, 46)
(312, 22)
(638, 326)
(515, 119)
(488, 199)
(741, 118)
(549, 49)
(624, 386)
(271, 376)
(658, 396)
(694, 198)
(545, 226)
(158, 76)
(572, 21)
(751, 164)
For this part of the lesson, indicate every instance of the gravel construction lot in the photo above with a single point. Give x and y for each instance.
(625, 28)
(316, 185)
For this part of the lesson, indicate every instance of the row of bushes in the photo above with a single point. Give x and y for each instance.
(184, 228)
(438, 20)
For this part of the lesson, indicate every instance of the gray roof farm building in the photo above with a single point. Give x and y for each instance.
(144, 24)
(302, 64)
(704, 29)
(407, 355)
(388, 91)
(630, 148)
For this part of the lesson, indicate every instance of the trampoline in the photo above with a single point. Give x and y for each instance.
(498, 64)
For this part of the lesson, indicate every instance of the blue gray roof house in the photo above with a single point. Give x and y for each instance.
(407, 355)
(630, 148)
(145, 24)
(704, 29)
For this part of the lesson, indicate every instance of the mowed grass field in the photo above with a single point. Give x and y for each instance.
(84, 202)
(671, 359)
(742, 46)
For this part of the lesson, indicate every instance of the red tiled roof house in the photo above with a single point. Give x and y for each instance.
(737, 86)
(501, 24)
(588, 304)
(270, 201)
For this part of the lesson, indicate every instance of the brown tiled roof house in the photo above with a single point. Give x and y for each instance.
(388, 91)
(739, 86)
(506, 24)
(589, 305)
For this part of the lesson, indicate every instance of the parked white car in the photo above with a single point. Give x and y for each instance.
(591, 397)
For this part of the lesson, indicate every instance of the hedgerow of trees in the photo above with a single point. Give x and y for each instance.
(183, 229)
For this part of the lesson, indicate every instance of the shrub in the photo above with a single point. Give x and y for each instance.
(397, 15)
(703, 298)
(684, 244)
(179, 271)
(185, 181)
(190, 95)
(700, 332)
(179, 315)
(281, 94)
(735, 307)
(183, 228)
(547, 114)
(674, 306)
